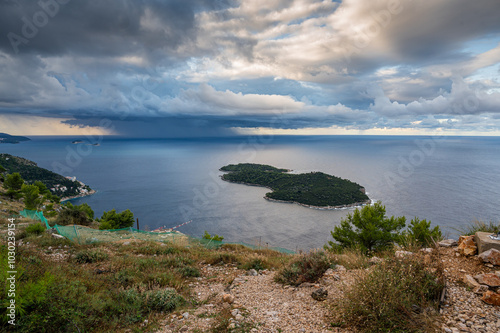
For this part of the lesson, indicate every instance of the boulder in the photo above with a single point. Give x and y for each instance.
(470, 281)
(489, 279)
(228, 298)
(485, 243)
(492, 256)
(480, 289)
(448, 243)
(491, 298)
(467, 246)
(319, 294)
(252, 272)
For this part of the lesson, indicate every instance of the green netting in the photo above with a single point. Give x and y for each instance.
(35, 215)
(85, 235)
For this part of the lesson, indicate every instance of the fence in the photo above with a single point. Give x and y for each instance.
(85, 235)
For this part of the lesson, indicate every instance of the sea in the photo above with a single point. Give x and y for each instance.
(450, 181)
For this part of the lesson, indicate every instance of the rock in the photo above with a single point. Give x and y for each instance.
(239, 317)
(126, 243)
(306, 285)
(489, 279)
(402, 254)
(252, 272)
(491, 298)
(480, 289)
(427, 250)
(185, 315)
(448, 243)
(375, 260)
(467, 246)
(470, 281)
(329, 271)
(319, 294)
(57, 236)
(228, 298)
(484, 242)
(340, 268)
(491, 256)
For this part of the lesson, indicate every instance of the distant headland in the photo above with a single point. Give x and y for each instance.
(6, 138)
(313, 190)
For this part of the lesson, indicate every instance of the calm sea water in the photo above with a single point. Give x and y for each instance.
(450, 181)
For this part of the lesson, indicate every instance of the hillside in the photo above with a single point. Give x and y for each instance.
(31, 172)
(316, 189)
(6, 138)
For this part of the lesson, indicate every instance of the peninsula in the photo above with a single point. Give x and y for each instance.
(6, 138)
(314, 189)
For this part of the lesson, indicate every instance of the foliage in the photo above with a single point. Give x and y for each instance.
(35, 229)
(314, 188)
(114, 220)
(32, 173)
(31, 194)
(84, 207)
(218, 238)
(306, 268)
(398, 295)
(14, 182)
(419, 232)
(368, 229)
(90, 256)
(2, 169)
(475, 226)
(73, 216)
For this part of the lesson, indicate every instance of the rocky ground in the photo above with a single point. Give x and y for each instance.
(252, 302)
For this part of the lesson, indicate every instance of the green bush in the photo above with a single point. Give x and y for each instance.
(217, 238)
(35, 229)
(90, 256)
(162, 300)
(257, 263)
(72, 216)
(398, 295)
(114, 220)
(307, 268)
(420, 232)
(368, 229)
(189, 271)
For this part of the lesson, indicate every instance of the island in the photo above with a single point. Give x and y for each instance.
(6, 138)
(313, 189)
(66, 188)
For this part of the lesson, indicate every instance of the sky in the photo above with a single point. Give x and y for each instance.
(196, 68)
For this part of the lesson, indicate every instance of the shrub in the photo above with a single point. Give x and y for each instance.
(256, 263)
(90, 256)
(162, 300)
(114, 220)
(223, 258)
(395, 296)
(31, 194)
(419, 232)
(367, 228)
(73, 216)
(307, 268)
(217, 238)
(476, 226)
(35, 229)
(189, 271)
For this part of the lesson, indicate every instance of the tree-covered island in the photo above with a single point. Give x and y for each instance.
(314, 189)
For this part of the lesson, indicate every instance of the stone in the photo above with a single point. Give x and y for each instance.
(319, 294)
(239, 317)
(467, 246)
(491, 256)
(228, 298)
(185, 315)
(329, 271)
(470, 281)
(492, 298)
(485, 243)
(183, 329)
(340, 268)
(427, 250)
(402, 254)
(480, 289)
(375, 260)
(126, 243)
(448, 243)
(252, 272)
(489, 279)
(57, 236)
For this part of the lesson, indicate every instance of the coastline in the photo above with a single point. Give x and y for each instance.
(78, 196)
(354, 204)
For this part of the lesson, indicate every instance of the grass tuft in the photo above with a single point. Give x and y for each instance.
(308, 267)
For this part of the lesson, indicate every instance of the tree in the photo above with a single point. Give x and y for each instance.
(218, 238)
(2, 169)
(114, 220)
(73, 216)
(419, 231)
(13, 182)
(42, 188)
(31, 195)
(368, 229)
(84, 207)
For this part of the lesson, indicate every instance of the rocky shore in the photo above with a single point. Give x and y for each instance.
(78, 196)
